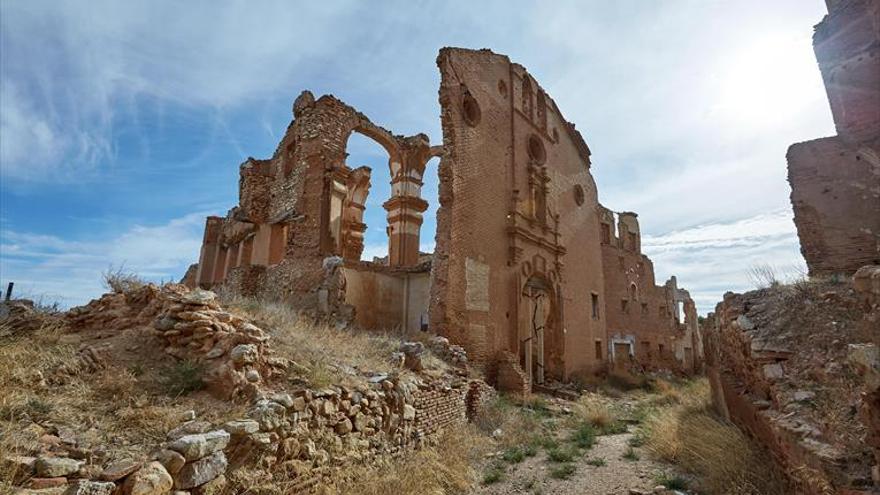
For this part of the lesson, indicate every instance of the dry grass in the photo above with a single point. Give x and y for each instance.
(113, 407)
(319, 349)
(593, 410)
(120, 281)
(518, 425)
(445, 468)
(716, 452)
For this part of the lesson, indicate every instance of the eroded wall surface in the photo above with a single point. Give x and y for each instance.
(650, 327)
(835, 181)
(517, 253)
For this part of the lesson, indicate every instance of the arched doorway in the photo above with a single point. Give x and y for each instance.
(542, 345)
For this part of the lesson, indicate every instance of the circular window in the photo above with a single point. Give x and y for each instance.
(470, 110)
(578, 194)
(536, 149)
(502, 87)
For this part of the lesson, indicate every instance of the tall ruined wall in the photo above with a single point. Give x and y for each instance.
(835, 181)
(306, 204)
(517, 207)
(644, 325)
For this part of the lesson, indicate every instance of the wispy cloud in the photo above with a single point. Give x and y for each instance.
(68, 271)
(688, 107)
(712, 259)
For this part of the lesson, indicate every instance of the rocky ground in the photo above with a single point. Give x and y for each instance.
(610, 467)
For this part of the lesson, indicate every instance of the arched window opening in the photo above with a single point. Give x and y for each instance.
(364, 151)
(679, 311)
(431, 194)
(633, 292)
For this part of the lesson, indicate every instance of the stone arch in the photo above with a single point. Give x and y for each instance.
(359, 187)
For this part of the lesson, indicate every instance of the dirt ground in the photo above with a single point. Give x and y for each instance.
(618, 475)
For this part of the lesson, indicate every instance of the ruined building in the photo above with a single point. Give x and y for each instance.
(798, 366)
(530, 273)
(835, 181)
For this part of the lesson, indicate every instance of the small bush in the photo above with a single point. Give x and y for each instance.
(548, 443)
(637, 440)
(672, 482)
(529, 450)
(763, 276)
(493, 474)
(120, 281)
(513, 455)
(630, 454)
(561, 454)
(563, 471)
(182, 378)
(597, 461)
(584, 436)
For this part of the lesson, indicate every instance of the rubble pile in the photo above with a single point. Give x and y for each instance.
(796, 366)
(192, 326)
(291, 434)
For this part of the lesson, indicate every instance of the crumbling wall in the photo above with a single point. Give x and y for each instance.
(657, 323)
(835, 181)
(518, 265)
(388, 298)
(288, 433)
(793, 366)
(516, 220)
(306, 204)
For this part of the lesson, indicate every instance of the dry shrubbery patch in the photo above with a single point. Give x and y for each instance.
(120, 281)
(318, 348)
(444, 468)
(722, 458)
(120, 406)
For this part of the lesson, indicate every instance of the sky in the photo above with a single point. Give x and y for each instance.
(122, 124)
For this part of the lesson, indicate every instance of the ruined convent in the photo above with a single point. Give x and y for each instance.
(530, 274)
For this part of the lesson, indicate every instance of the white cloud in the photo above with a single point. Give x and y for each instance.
(711, 259)
(69, 272)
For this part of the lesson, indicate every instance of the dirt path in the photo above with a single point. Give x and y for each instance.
(618, 475)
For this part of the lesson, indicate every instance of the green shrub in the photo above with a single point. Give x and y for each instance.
(637, 440)
(597, 461)
(672, 482)
(182, 378)
(630, 454)
(493, 474)
(513, 455)
(584, 436)
(561, 454)
(563, 471)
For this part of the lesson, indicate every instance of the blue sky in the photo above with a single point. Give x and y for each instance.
(122, 124)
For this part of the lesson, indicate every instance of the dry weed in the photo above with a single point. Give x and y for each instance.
(319, 348)
(444, 468)
(716, 452)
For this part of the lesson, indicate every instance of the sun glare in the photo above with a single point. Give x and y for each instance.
(769, 82)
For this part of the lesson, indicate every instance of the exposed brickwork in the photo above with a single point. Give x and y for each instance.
(519, 267)
(785, 365)
(835, 181)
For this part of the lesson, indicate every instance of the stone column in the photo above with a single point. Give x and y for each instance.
(404, 226)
